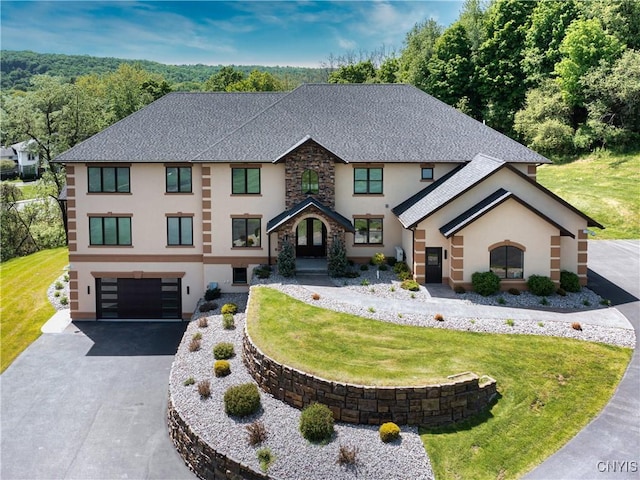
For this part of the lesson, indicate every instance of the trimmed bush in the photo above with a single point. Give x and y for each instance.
(287, 260)
(389, 432)
(223, 351)
(438, 317)
(64, 300)
(316, 423)
(231, 308)
(576, 326)
(562, 292)
(203, 322)
(514, 291)
(204, 388)
(228, 322)
(337, 263)
(347, 455)
(485, 283)
(378, 259)
(242, 400)
(262, 271)
(315, 296)
(221, 368)
(410, 285)
(256, 432)
(194, 344)
(540, 285)
(208, 306)
(570, 281)
(212, 293)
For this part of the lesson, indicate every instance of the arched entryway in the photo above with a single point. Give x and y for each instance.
(311, 238)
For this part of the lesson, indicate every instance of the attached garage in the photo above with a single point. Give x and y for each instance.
(138, 298)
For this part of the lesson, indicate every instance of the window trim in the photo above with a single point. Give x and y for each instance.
(368, 180)
(368, 219)
(246, 181)
(102, 217)
(178, 169)
(246, 219)
(102, 190)
(180, 218)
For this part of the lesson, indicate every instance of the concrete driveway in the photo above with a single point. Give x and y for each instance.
(91, 403)
(609, 447)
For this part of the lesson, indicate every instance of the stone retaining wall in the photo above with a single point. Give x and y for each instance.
(202, 459)
(428, 405)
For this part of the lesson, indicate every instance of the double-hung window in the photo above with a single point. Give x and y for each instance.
(246, 232)
(367, 180)
(110, 230)
(109, 180)
(368, 230)
(245, 181)
(178, 179)
(179, 230)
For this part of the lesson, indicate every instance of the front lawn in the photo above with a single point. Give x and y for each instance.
(24, 306)
(549, 387)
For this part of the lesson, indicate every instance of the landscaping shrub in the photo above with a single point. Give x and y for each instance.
(562, 292)
(391, 261)
(242, 400)
(401, 267)
(221, 368)
(228, 322)
(365, 283)
(59, 286)
(438, 317)
(485, 283)
(64, 300)
(197, 336)
(364, 267)
(337, 264)
(410, 285)
(194, 345)
(189, 381)
(287, 260)
(231, 308)
(570, 281)
(204, 388)
(459, 289)
(203, 322)
(262, 271)
(223, 351)
(576, 326)
(315, 296)
(316, 423)
(389, 432)
(378, 259)
(212, 293)
(514, 291)
(257, 433)
(56, 294)
(347, 455)
(266, 458)
(208, 306)
(540, 285)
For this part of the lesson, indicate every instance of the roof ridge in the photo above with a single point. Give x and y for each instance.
(261, 112)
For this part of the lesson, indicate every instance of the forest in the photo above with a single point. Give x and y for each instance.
(561, 76)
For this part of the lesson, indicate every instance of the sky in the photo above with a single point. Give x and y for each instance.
(296, 33)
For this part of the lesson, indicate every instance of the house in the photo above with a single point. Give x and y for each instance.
(27, 160)
(202, 187)
(8, 154)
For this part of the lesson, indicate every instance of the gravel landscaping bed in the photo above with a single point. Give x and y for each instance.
(58, 290)
(295, 458)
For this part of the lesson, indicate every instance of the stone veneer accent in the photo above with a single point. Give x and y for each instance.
(428, 405)
(201, 457)
(310, 156)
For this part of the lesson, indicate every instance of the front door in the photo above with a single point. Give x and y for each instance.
(311, 238)
(434, 265)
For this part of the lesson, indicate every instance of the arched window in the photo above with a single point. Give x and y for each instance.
(507, 261)
(310, 185)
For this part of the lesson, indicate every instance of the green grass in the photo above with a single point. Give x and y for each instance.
(605, 186)
(24, 306)
(549, 387)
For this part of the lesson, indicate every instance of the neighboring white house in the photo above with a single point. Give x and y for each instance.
(28, 162)
(203, 187)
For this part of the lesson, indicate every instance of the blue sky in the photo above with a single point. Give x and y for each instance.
(216, 32)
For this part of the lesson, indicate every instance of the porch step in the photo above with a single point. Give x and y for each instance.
(316, 278)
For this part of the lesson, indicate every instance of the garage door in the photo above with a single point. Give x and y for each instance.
(131, 298)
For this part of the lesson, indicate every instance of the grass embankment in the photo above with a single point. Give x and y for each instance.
(605, 186)
(24, 306)
(550, 387)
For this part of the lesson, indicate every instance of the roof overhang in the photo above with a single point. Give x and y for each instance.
(305, 206)
(307, 139)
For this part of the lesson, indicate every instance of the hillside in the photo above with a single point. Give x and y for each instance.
(605, 186)
(17, 67)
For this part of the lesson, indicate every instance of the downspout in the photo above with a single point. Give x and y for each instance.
(269, 249)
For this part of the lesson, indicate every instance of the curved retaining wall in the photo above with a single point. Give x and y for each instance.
(428, 405)
(201, 458)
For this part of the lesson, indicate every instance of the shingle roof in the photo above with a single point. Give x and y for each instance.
(357, 122)
(305, 204)
(485, 206)
(434, 197)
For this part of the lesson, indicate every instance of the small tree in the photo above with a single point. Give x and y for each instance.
(287, 260)
(337, 262)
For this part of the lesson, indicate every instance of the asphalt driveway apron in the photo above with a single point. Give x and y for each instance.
(91, 403)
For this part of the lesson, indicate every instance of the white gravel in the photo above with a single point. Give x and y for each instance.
(58, 290)
(295, 458)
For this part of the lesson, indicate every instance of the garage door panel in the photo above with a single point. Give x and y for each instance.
(130, 298)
